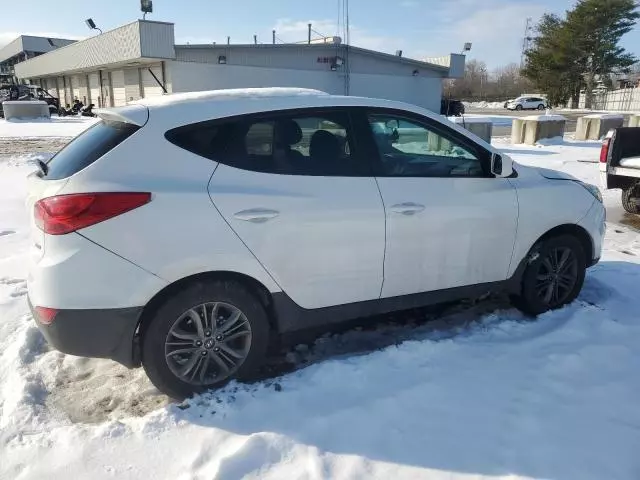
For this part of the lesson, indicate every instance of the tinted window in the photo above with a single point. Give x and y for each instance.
(88, 147)
(409, 149)
(288, 144)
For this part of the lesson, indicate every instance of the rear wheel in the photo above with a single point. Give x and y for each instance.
(631, 198)
(204, 336)
(541, 107)
(554, 275)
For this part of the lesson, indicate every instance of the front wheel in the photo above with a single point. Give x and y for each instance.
(631, 198)
(553, 276)
(518, 107)
(203, 336)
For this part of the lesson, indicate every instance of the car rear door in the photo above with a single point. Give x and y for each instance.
(298, 192)
(449, 222)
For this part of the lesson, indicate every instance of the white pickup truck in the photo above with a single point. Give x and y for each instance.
(620, 165)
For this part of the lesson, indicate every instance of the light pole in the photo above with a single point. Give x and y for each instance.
(92, 25)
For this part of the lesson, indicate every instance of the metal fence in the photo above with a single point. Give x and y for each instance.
(624, 100)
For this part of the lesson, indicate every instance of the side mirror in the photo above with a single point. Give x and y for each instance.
(501, 165)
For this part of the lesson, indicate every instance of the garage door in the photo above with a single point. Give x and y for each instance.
(94, 89)
(150, 87)
(75, 88)
(132, 84)
(69, 90)
(61, 95)
(107, 101)
(117, 87)
(51, 87)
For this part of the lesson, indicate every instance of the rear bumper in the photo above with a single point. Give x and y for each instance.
(100, 333)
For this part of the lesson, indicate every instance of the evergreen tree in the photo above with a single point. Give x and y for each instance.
(571, 53)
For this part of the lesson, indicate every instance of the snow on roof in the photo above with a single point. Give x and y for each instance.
(545, 118)
(229, 94)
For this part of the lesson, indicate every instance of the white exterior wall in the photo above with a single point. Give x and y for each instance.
(117, 87)
(190, 76)
(425, 92)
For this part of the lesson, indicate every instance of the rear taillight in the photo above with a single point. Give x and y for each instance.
(604, 150)
(46, 315)
(67, 213)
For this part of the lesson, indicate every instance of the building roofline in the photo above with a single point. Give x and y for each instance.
(320, 46)
(19, 38)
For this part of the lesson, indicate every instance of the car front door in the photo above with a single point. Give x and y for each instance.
(449, 222)
(301, 196)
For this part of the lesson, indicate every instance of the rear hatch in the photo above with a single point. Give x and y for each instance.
(114, 127)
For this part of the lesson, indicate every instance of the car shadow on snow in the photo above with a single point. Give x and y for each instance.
(496, 401)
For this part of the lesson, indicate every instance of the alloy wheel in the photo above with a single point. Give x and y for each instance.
(557, 276)
(208, 343)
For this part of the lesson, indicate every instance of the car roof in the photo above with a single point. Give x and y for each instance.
(182, 108)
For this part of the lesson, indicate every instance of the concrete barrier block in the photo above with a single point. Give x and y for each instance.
(437, 143)
(517, 131)
(531, 129)
(480, 126)
(634, 120)
(23, 109)
(595, 127)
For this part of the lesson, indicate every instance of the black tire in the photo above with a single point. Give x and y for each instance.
(540, 107)
(157, 332)
(518, 107)
(532, 297)
(630, 196)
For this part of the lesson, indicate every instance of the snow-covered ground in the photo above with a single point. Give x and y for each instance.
(54, 127)
(484, 105)
(481, 392)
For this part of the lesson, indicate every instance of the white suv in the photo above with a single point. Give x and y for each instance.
(526, 103)
(186, 232)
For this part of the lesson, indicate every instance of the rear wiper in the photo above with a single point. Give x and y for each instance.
(44, 168)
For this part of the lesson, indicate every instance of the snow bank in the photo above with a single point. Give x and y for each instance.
(606, 116)
(484, 105)
(545, 118)
(53, 127)
(470, 119)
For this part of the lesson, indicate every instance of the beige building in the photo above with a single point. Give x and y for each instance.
(141, 59)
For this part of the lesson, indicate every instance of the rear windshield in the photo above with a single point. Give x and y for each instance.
(88, 147)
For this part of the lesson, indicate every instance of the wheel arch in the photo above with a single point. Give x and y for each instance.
(566, 229)
(251, 284)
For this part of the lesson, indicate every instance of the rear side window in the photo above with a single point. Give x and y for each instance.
(310, 142)
(88, 147)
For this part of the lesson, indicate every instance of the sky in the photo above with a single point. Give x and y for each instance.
(421, 28)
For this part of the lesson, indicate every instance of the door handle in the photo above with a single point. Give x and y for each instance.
(256, 215)
(407, 208)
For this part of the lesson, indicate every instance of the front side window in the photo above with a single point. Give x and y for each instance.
(408, 148)
(287, 144)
